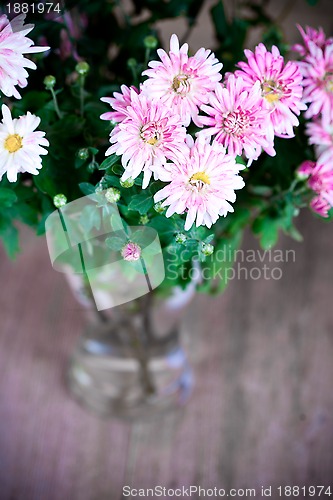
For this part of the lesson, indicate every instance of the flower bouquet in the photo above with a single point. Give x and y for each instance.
(166, 140)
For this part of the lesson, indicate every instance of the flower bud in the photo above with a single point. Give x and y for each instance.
(128, 183)
(112, 195)
(132, 63)
(92, 166)
(49, 82)
(83, 153)
(207, 249)
(304, 170)
(158, 208)
(82, 68)
(59, 200)
(131, 251)
(150, 42)
(180, 238)
(144, 219)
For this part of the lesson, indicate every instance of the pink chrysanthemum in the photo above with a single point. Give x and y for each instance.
(321, 136)
(320, 205)
(119, 102)
(237, 119)
(320, 180)
(202, 185)
(317, 69)
(149, 136)
(181, 82)
(311, 35)
(281, 87)
(13, 45)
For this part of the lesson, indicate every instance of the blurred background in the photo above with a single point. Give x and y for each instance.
(262, 409)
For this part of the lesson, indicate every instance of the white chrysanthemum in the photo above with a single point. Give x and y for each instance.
(13, 45)
(20, 145)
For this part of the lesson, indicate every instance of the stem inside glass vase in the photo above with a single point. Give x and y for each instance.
(130, 362)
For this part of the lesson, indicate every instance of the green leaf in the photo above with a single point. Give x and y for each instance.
(109, 162)
(10, 240)
(69, 126)
(7, 197)
(94, 151)
(240, 160)
(215, 269)
(267, 228)
(166, 228)
(78, 162)
(90, 218)
(40, 230)
(32, 101)
(45, 181)
(295, 234)
(87, 188)
(117, 169)
(112, 180)
(117, 224)
(219, 20)
(260, 190)
(92, 113)
(141, 203)
(27, 213)
(209, 238)
(116, 243)
(287, 224)
(238, 219)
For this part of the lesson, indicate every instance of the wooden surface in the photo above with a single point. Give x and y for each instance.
(261, 412)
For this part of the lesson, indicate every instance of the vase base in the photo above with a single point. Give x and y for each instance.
(114, 386)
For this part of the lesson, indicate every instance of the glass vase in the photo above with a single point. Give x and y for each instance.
(130, 361)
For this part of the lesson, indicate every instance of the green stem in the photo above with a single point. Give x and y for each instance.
(141, 338)
(55, 102)
(290, 190)
(141, 349)
(293, 185)
(135, 76)
(147, 54)
(82, 79)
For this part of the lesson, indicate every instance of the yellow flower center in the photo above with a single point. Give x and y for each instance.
(271, 91)
(328, 79)
(199, 180)
(181, 84)
(150, 133)
(13, 143)
(152, 141)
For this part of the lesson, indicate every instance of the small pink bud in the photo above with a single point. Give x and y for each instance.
(131, 251)
(305, 169)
